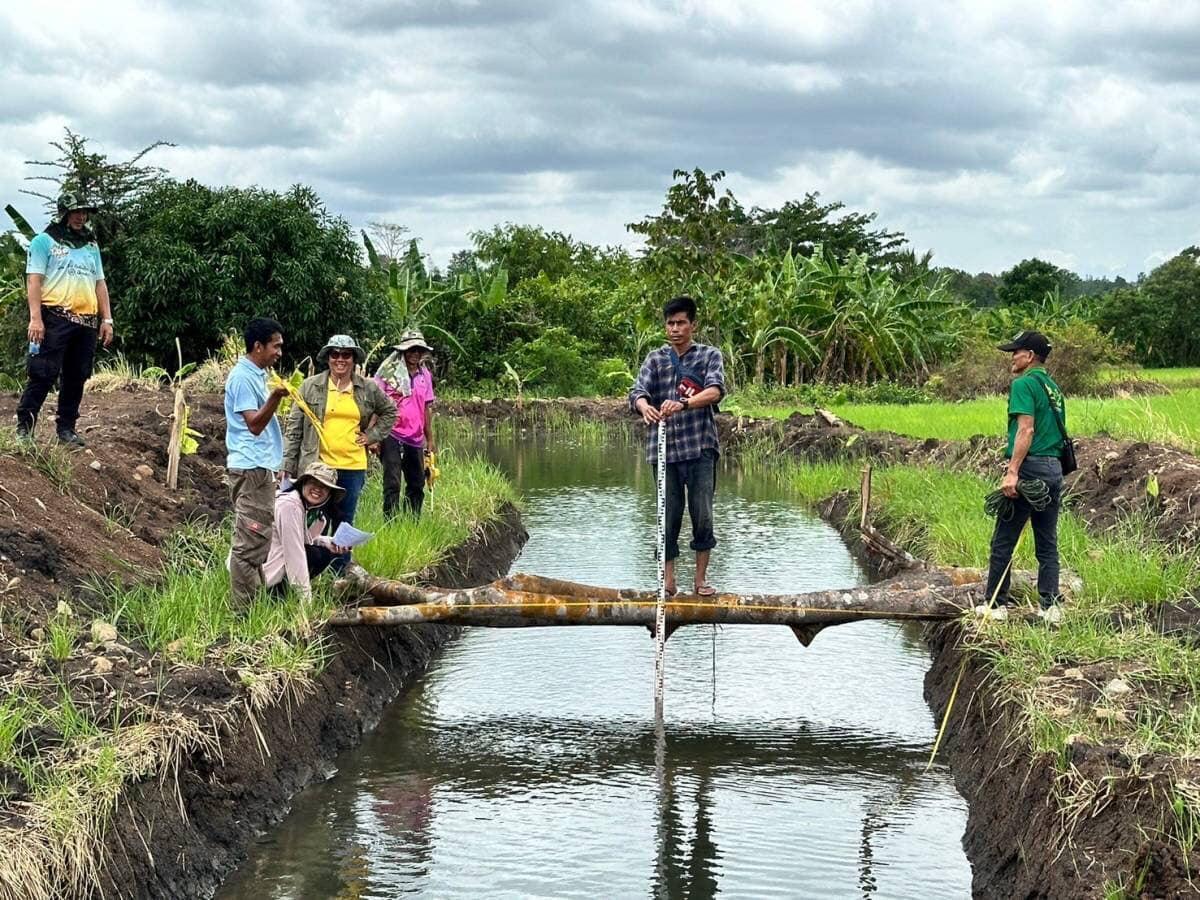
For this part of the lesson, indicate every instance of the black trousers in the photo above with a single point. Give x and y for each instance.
(692, 482)
(401, 460)
(1045, 536)
(68, 351)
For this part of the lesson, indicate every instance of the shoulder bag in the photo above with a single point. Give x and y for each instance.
(1066, 456)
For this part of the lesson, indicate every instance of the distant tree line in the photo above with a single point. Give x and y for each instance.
(802, 292)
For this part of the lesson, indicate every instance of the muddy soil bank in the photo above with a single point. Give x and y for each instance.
(68, 516)
(1021, 839)
(181, 839)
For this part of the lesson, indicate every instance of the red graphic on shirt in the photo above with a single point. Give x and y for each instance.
(688, 388)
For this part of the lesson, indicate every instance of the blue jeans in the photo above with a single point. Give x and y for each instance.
(697, 479)
(1045, 535)
(343, 511)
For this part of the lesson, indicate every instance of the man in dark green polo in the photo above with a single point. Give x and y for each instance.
(1035, 444)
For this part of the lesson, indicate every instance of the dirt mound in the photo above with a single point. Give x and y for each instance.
(66, 515)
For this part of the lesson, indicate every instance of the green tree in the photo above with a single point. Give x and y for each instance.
(113, 186)
(194, 262)
(977, 290)
(1160, 317)
(527, 251)
(1030, 280)
(692, 245)
(14, 312)
(800, 226)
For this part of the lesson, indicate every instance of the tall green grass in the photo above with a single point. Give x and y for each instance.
(1127, 573)
(938, 515)
(471, 492)
(188, 612)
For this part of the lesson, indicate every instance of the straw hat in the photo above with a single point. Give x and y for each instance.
(322, 474)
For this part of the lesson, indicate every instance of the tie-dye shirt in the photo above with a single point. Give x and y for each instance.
(69, 274)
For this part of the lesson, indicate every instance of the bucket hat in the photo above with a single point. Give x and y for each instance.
(342, 342)
(71, 201)
(410, 339)
(322, 474)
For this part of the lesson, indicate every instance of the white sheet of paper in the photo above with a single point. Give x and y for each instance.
(346, 535)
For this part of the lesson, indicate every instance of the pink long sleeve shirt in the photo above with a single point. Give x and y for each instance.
(286, 557)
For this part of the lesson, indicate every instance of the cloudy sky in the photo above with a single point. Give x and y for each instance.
(987, 132)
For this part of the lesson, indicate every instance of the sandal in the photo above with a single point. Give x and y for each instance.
(705, 590)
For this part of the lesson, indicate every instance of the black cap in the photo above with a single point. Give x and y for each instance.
(1029, 340)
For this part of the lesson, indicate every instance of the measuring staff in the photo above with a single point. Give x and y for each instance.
(676, 391)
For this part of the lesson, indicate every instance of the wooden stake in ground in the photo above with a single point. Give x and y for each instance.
(175, 445)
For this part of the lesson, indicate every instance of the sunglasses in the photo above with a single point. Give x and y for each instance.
(341, 354)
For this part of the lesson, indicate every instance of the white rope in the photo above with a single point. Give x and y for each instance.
(660, 612)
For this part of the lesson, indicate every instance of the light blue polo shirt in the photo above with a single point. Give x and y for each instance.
(69, 274)
(246, 391)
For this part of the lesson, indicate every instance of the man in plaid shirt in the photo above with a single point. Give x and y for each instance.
(678, 388)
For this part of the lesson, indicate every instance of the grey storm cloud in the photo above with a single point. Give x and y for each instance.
(988, 133)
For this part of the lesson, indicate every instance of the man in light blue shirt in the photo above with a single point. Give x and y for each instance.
(254, 443)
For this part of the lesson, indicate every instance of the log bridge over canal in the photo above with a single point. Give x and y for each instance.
(522, 601)
(921, 592)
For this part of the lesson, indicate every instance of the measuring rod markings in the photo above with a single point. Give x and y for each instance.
(660, 611)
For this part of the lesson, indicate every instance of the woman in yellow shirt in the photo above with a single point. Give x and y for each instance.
(354, 413)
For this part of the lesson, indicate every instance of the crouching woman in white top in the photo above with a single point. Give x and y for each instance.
(299, 552)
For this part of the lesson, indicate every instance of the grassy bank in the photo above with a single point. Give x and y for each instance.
(1063, 680)
(1171, 419)
(73, 732)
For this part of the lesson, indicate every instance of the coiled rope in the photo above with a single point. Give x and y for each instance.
(1033, 491)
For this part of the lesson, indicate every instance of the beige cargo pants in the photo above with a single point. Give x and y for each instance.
(253, 493)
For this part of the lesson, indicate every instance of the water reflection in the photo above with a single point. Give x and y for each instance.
(529, 764)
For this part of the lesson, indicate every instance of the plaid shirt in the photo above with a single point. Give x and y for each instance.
(692, 430)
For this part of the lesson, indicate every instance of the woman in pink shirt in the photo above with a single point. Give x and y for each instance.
(409, 384)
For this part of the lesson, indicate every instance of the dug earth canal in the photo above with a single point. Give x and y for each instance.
(526, 762)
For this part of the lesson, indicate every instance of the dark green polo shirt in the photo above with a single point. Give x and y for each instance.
(1031, 394)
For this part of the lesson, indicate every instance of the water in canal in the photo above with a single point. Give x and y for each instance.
(525, 765)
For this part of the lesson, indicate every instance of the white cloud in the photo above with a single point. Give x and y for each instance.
(988, 132)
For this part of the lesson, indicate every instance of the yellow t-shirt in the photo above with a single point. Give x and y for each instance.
(341, 428)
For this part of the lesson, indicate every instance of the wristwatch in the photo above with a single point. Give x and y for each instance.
(106, 321)
(684, 401)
